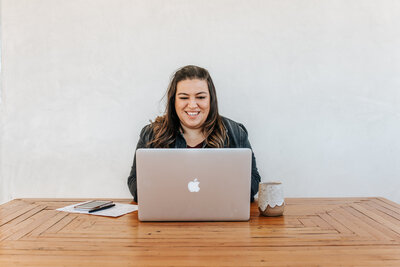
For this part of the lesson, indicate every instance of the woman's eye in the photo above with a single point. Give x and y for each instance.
(184, 98)
(201, 97)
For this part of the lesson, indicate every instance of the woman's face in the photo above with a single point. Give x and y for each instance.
(192, 103)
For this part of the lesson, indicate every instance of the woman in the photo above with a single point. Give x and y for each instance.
(191, 120)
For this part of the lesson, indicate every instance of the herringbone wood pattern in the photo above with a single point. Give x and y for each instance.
(312, 232)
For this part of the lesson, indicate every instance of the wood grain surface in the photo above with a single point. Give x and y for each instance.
(312, 232)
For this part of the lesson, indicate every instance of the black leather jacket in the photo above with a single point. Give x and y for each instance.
(237, 135)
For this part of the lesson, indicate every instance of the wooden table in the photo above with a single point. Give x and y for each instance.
(312, 232)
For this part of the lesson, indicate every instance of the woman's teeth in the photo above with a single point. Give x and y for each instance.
(192, 113)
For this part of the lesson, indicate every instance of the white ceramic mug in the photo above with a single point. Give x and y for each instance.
(270, 199)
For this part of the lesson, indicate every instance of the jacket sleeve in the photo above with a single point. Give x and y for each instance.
(132, 176)
(255, 176)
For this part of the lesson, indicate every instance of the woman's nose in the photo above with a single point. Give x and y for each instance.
(193, 103)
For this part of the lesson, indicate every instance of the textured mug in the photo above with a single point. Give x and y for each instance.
(270, 199)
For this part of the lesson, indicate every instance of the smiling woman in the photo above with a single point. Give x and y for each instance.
(191, 120)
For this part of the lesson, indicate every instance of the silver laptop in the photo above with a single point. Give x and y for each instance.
(194, 184)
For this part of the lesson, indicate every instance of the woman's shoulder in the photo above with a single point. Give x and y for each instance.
(149, 128)
(237, 133)
(145, 136)
(147, 132)
(234, 126)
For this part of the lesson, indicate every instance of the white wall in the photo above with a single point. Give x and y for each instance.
(315, 82)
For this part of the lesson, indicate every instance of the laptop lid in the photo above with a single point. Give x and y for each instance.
(194, 184)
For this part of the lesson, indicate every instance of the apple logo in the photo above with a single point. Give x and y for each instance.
(193, 186)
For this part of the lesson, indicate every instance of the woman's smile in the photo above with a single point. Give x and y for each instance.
(193, 114)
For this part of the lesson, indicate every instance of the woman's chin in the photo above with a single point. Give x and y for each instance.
(192, 124)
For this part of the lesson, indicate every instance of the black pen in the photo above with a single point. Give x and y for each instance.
(102, 208)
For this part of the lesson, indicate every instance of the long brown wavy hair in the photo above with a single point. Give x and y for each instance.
(166, 127)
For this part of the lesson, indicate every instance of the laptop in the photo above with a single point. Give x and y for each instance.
(209, 184)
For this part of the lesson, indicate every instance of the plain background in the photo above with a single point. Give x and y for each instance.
(315, 82)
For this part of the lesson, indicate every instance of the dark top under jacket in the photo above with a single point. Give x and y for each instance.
(238, 138)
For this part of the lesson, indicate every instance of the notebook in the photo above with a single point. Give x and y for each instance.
(194, 184)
